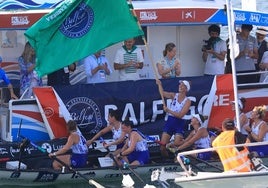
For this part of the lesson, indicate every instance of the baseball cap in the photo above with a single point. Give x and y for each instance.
(262, 30)
(200, 118)
(187, 84)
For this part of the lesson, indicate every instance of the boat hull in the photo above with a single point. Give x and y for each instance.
(223, 180)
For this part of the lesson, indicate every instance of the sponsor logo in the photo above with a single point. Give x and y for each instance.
(240, 16)
(148, 15)
(48, 112)
(188, 14)
(79, 22)
(3, 151)
(86, 113)
(46, 177)
(47, 147)
(255, 18)
(19, 20)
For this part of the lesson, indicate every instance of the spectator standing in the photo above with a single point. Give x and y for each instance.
(214, 52)
(61, 76)
(28, 76)
(97, 68)
(169, 66)
(248, 53)
(264, 67)
(261, 33)
(128, 60)
(5, 78)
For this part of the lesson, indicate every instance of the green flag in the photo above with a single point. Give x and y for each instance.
(79, 28)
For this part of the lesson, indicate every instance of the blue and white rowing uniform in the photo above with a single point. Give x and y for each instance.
(173, 124)
(203, 143)
(79, 152)
(141, 152)
(116, 135)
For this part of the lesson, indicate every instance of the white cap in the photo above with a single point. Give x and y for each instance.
(198, 117)
(187, 84)
(262, 30)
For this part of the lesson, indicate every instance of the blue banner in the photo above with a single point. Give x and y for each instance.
(241, 17)
(89, 104)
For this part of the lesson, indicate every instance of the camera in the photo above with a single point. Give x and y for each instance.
(208, 44)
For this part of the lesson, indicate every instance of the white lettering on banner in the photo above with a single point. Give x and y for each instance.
(156, 111)
(107, 109)
(148, 15)
(137, 113)
(19, 20)
(201, 103)
(255, 18)
(142, 112)
(222, 100)
(57, 13)
(130, 113)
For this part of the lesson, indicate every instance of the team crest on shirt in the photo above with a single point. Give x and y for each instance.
(86, 113)
(79, 22)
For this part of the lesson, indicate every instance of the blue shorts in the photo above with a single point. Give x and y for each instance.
(119, 146)
(142, 156)
(79, 160)
(174, 126)
(204, 156)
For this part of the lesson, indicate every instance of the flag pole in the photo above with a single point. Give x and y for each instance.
(160, 88)
(232, 46)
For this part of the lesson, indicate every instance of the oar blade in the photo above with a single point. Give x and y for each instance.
(127, 181)
(96, 184)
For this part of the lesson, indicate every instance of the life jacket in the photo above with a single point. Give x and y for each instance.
(231, 158)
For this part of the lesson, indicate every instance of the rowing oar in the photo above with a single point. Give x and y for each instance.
(90, 181)
(127, 180)
(207, 163)
(126, 165)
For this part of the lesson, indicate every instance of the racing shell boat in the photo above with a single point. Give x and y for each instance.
(189, 178)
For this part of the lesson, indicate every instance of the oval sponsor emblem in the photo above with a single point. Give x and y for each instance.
(79, 22)
(86, 113)
(48, 112)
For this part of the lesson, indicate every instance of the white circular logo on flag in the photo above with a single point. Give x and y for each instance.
(79, 22)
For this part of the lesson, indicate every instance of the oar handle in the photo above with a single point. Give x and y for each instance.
(26, 141)
(104, 143)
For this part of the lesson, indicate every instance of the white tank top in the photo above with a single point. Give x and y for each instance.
(117, 133)
(175, 106)
(255, 130)
(81, 147)
(203, 142)
(242, 129)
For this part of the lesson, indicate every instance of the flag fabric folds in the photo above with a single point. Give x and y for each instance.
(78, 28)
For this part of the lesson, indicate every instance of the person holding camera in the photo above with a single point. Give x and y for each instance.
(214, 52)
